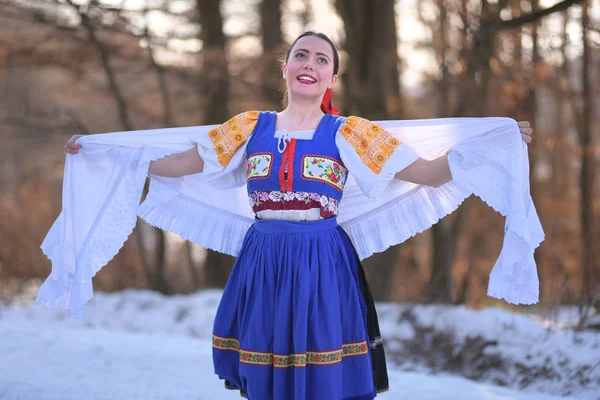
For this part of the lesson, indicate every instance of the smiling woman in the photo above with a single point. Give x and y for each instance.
(296, 320)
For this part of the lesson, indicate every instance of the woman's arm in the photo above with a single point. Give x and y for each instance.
(178, 164)
(433, 173)
(173, 166)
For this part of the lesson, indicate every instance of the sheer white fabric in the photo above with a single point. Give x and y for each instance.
(103, 185)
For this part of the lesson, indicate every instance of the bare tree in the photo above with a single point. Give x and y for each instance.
(586, 175)
(272, 43)
(215, 85)
(372, 90)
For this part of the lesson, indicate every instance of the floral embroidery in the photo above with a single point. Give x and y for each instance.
(254, 357)
(355, 349)
(259, 166)
(373, 144)
(292, 360)
(329, 357)
(227, 137)
(276, 200)
(225, 343)
(324, 169)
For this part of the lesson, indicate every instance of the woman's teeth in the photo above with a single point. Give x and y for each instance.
(306, 79)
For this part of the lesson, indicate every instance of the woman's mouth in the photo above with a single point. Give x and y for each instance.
(306, 79)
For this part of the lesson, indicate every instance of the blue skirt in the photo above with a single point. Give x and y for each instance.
(296, 319)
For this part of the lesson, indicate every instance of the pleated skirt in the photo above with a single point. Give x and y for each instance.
(297, 320)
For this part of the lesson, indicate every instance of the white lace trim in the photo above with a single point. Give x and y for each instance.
(514, 276)
(402, 217)
(213, 228)
(71, 287)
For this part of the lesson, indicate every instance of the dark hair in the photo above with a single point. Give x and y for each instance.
(336, 57)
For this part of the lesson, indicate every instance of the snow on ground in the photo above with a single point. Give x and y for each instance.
(142, 345)
(494, 345)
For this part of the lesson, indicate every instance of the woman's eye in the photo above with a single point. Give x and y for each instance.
(322, 60)
(299, 55)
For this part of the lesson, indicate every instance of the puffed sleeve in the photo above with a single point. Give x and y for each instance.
(223, 150)
(371, 154)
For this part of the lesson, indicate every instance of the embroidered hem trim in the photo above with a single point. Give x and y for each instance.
(292, 360)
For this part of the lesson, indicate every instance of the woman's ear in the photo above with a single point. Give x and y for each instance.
(334, 80)
(283, 70)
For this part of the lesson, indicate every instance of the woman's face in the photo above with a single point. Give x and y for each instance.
(308, 71)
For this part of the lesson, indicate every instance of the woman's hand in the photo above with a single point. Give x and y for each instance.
(526, 131)
(71, 147)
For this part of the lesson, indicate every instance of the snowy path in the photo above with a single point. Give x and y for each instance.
(53, 361)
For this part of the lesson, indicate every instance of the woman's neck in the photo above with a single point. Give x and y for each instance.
(299, 116)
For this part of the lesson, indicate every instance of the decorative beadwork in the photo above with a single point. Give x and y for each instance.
(227, 137)
(324, 169)
(259, 166)
(291, 360)
(373, 144)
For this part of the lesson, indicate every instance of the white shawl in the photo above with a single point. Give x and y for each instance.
(103, 185)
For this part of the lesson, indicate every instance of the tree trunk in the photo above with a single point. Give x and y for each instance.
(272, 43)
(370, 81)
(122, 109)
(531, 110)
(439, 287)
(372, 73)
(586, 177)
(168, 121)
(215, 88)
(215, 74)
(444, 234)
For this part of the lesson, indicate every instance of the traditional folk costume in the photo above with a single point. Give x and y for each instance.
(296, 320)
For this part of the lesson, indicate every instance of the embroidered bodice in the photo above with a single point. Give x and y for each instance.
(294, 175)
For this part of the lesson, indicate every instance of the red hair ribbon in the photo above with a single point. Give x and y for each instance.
(326, 106)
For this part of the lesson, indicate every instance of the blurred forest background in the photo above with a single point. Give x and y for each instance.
(71, 67)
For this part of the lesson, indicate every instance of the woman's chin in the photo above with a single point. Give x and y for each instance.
(306, 92)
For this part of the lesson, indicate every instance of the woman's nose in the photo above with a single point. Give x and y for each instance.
(308, 65)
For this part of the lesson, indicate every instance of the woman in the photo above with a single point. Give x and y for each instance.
(296, 320)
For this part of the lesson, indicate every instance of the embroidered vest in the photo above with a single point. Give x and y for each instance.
(311, 165)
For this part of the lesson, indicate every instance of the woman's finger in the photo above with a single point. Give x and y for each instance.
(524, 124)
(528, 131)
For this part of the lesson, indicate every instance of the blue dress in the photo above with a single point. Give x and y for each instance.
(296, 320)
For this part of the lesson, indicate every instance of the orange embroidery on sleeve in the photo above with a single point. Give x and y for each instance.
(373, 144)
(227, 137)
